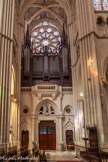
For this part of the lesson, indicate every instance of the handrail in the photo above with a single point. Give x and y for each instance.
(92, 158)
(104, 156)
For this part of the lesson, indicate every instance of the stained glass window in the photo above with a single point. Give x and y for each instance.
(105, 4)
(101, 4)
(97, 4)
(45, 34)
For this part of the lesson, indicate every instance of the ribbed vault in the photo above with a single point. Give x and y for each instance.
(58, 11)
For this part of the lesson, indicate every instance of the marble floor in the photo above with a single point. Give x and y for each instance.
(54, 156)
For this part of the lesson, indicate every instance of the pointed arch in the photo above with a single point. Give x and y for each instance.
(46, 101)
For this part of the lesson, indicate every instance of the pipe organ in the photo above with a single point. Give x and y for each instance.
(46, 66)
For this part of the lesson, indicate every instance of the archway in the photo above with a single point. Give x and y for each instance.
(46, 107)
(46, 112)
(50, 57)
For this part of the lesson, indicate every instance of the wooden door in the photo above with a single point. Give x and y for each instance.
(69, 139)
(25, 138)
(43, 138)
(51, 138)
(47, 135)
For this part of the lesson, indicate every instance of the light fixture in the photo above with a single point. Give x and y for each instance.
(81, 94)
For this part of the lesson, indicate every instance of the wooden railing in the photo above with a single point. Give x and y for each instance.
(80, 150)
(46, 87)
(87, 157)
(67, 89)
(104, 156)
(94, 159)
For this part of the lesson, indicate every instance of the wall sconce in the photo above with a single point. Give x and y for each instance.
(81, 94)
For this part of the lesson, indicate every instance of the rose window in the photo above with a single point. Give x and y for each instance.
(44, 35)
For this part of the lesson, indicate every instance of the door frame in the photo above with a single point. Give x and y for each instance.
(70, 147)
(45, 121)
(22, 136)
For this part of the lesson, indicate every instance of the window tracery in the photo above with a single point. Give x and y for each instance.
(45, 34)
(46, 109)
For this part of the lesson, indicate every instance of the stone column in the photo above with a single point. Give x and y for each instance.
(88, 53)
(18, 91)
(60, 132)
(6, 50)
(33, 127)
(61, 99)
(36, 139)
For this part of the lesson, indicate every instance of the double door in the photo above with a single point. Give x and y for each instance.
(47, 135)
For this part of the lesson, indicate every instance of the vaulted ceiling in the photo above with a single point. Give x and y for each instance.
(57, 11)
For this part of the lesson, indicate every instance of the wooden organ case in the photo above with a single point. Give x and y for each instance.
(48, 67)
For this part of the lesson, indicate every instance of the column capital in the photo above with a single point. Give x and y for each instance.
(60, 116)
